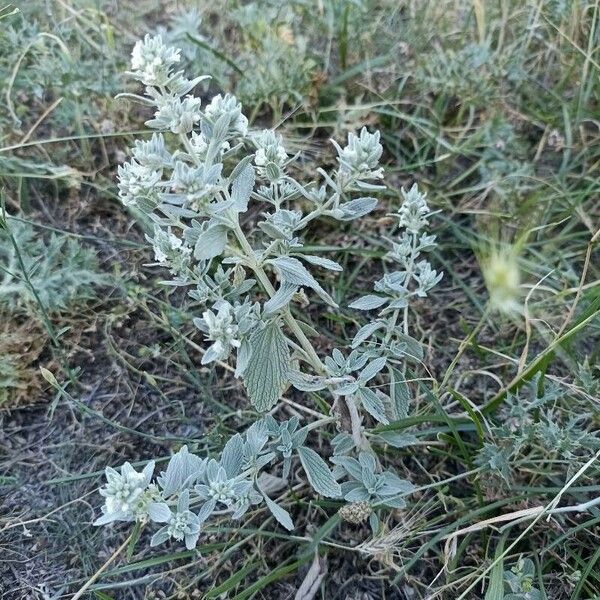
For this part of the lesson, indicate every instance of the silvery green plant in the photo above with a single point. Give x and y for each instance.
(193, 490)
(519, 581)
(195, 177)
(59, 270)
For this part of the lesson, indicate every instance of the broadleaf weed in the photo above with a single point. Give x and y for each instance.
(195, 183)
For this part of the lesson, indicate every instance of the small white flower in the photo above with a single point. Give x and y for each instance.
(222, 329)
(360, 157)
(227, 105)
(271, 156)
(124, 493)
(152, 60)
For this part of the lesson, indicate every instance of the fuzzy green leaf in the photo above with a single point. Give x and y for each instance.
(294, 272)
(319, 474)
(282, 515)
(267, 368)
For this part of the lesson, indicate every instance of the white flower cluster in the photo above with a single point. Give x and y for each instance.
(227, 106)
(126, 494)
(271, 156)
(222, 330)
(414, 210)
(152, 61)
(360, 157)
(182, 523)
(138, 185)
(413, 217)
(178, 115)
(229, 328)
(169, 250)
(152, 154)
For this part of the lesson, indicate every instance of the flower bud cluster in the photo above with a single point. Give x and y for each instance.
(227, 328)
(138, 185)
(271, 156)
(170, 251)
(414, 210)
(125, 494)
(229, 106)
(360, 157)
(152, 61)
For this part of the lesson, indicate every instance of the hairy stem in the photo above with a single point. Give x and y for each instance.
(356, 422)
(289, 319)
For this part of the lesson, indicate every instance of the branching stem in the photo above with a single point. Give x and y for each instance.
(289, 319)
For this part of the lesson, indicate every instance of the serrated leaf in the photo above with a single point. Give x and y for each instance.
(393, 485)
(356, 208)
(369, 302)
(306, 383)
(309, 330)
(372, 369)
(294, 272)
(399, 393)
(217, 134)
(351, 465)
(318, 473)
(242, 358)
(159, 512)
(398, 303)
(347, 388)
(281, 298)
(272, 231)
(240, 167)
(176, 211)
(233, 455)
(414, 348)
(267, 368)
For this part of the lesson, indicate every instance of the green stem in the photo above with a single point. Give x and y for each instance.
(289, 319)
